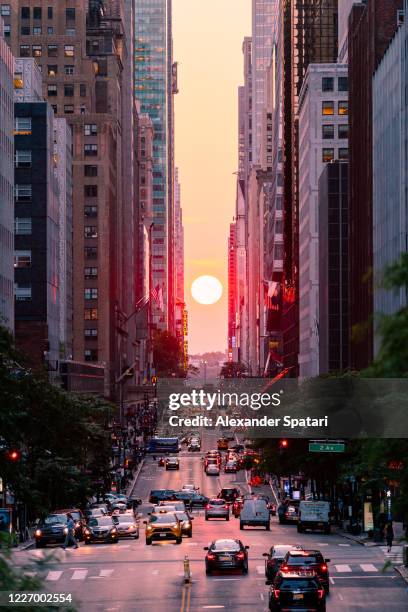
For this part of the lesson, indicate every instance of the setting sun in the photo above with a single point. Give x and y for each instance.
(206, 290)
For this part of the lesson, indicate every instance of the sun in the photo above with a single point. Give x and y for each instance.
(206, 290)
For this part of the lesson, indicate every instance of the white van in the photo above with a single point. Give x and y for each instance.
(255, 512)
(314, 515)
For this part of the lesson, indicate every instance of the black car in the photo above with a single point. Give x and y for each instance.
(275, 558)
(102, 529)
(51, 530)
(226, 555)
(161, 495)
(288, 511)
(297, 591)
(79, 518)
(308, 560)
(229, 494)
(172, 463)
(191, 498)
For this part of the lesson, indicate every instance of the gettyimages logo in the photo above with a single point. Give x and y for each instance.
(219, 399)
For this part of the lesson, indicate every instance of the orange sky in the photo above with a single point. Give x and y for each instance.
(208, 36)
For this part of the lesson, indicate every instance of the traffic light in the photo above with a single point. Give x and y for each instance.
(14, 455)
(283, 444)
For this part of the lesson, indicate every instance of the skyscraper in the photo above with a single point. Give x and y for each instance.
(155, 85)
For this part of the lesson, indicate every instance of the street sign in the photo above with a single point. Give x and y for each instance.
(326, 447)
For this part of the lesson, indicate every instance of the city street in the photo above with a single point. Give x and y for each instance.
(132, 576)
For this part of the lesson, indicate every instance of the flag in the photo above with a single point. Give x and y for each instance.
(155, 294)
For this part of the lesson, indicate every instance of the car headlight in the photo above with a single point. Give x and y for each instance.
(87, 531)
(149, 528)
(113, 530)
(187, 524)
(38, 532)
(65, 530)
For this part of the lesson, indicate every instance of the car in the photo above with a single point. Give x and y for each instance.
(118, 506)
(310, 560)
(158, 495)
(170, 506)
(162, 462)
(275, 557)
(79, 518)
(213, 469)
(192, 499)
(230, 494)
(93, 513)
(98, 506)
(127, 526)
(254, 513)
(297, 591)
(194, 445)
(102, 529)
(222, 444)
(213, 454)
(190, 487)
(226, 555)
(163, 527)
(288, 511)
(217, 508)
(272, 508)
(172, 463)
(211, 461)
(51, 530)
(186, 523)
(230, 466)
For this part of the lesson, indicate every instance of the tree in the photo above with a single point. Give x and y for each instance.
(167, 355)
(233, 369)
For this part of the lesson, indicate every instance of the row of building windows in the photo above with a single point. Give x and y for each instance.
(52, 50)
(328, 154)
(328, 83)
(328, 131)
(25, 12)
(38, 30)
(69, 90)
(328, 107)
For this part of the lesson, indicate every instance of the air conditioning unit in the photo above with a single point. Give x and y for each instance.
(400, 17)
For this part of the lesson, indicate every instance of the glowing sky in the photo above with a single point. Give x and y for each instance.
(208, 37)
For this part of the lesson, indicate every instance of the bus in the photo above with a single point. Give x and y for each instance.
(163, 445)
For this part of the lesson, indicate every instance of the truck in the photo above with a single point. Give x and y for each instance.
(314, 515)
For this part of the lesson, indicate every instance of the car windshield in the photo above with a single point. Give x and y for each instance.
(294, 584)
(101, 521)
(280, 551)
(123, 518)
(162, 518)
(303, 559)
(216, 502)
(227, 491)
(226, 545)
(55, 519)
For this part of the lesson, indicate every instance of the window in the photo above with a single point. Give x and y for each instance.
(69, 50)
(24, 50)
(91, 333)
(82, 109)
(279, 226)
(22, 159)
(69, 69)
(279, 202)
(82, 90)
(327, 83)
(52, 50)
(91, 293)
(22, 126)
(327, 155)
(69, 90)
(6, 30)
(37, 50)
(25, 30)
(90, 170)
(70, 14)
(90, 129)
(23, 193)
(91, 355)
(50, 30)
(68, 109)
(327, 132)
(327, 108)
(52, 70)
(90, 150)
(37, 12)
(52, 90)
(25, 12)
(23, 292)
(37, 30)
(49, 12)
(343, 107)
(91, 211)
(278, 251)
(91, 314)
(22, 226)
(343, 154)
(343, 130)
(22, 259)
(91, 191)
(54, 108)
(91, 252)
(91, 231)
(343, 83)
(70, 32)
(90, 273)
(5, 10)
(18, 80)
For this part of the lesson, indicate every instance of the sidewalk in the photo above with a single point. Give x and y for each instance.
(132, 485)
(364, 540)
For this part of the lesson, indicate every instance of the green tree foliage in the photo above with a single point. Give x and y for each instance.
(232, 369)
(167, 355)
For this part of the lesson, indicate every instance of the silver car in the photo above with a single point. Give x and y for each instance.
(126, 526)
(217, 508)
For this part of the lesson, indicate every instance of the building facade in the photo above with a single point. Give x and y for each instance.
(323, 138)
(344, 13)
(6, 183)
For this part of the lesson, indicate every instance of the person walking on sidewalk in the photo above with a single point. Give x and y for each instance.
(389, 535)
(70, 537)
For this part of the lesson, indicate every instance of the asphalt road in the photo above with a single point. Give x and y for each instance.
(130, 576)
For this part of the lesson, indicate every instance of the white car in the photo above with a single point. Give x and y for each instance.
(190, 487)
(212, 469)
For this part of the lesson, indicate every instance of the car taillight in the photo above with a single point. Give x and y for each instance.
(210, 556)
(321, 593)
(225, 506)
(240, 555)
(207, 506)
(276, 593)
(323, 568)
(284, 568)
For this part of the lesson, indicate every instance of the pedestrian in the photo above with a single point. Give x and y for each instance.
(70, 537)
(389, 535)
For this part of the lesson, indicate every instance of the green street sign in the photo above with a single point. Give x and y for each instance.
(326, 447)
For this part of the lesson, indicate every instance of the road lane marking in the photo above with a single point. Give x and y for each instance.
(225, 579)
(340, 596)
(105, 573)
(368, 567)
(391, 577)
(344, 544)
(262, 596)
(183, 598)
(53, 576)
(343, 568)
(331, 580)
(79, 574)
(322, 544)
(212, 607)
(260, 569)
(155, 572)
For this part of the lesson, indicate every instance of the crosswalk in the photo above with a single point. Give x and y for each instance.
(395, 556)
(343, 568)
